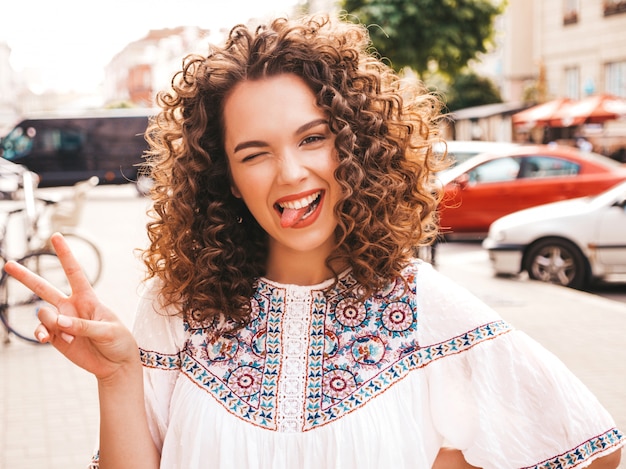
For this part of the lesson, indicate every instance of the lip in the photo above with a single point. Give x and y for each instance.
(300, 195)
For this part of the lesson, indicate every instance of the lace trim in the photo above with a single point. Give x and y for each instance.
(292, 381)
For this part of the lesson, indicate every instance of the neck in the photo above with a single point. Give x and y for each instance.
(299, 268)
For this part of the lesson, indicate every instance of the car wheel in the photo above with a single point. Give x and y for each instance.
(557, 261)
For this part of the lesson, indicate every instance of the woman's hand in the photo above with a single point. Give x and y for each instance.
(79, 325)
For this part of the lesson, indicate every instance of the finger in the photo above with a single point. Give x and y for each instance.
(54, 324)
(73, 271)
(69, 327)
(41, 287)
(42, 334)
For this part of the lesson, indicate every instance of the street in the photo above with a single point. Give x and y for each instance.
(49, 408)
(471, 252)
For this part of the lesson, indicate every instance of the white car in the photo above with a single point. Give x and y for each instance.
(570, 243)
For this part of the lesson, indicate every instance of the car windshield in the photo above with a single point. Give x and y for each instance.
(17, 142)
(601, 159)
(451, 174)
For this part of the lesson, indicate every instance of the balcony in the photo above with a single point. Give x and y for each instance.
(614, 7)
(570, 17)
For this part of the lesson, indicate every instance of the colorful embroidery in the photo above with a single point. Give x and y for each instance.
(594, 447)
(159, 360)
(309, 357)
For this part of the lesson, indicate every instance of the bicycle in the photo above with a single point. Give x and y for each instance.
(18, 305)
(63, 216)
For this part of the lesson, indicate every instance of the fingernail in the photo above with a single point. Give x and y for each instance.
(64, 321)
(42, 336)
(67, 338)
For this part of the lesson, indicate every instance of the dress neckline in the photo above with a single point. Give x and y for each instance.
(318, 286)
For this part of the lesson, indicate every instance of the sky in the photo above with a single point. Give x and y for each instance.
(67, 43)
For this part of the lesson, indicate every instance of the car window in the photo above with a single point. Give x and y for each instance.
(59, 140)
(498, 170)
(547, 166)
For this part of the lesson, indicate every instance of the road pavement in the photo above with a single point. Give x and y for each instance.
(49, 408)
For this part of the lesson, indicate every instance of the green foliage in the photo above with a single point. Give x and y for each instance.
(422, 33)
(120, 105)
(469, 90)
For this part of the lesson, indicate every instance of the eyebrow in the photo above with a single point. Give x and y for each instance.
(261, 143)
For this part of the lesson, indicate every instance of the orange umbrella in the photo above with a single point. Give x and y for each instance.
(592, 110)
(539, 115)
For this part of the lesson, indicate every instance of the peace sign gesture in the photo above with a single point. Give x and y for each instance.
(80, 326)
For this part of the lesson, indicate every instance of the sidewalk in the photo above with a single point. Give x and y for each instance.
(49, 408)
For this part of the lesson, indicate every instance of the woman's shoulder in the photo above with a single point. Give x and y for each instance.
(445, 308)
(157, 326)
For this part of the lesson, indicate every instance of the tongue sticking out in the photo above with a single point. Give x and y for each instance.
(291, 216)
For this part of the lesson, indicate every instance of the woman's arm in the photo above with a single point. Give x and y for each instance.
(125, 440)
(610, 461)
(449, 458)
(92, 336)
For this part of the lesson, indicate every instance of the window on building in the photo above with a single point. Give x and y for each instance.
(572, 82)
(613, 7)
(571, 10)
(615, 78)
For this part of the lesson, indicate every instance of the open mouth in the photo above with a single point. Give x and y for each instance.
(294, 211)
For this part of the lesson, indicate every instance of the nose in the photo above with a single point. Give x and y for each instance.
(291, 168)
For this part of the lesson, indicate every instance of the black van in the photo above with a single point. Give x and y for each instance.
(66, 149)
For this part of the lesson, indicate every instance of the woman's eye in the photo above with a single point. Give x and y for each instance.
(313, 139)
(252, 156)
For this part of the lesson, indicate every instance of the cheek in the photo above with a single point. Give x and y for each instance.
(251, 191)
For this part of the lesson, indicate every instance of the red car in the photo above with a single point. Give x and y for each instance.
(489, 186)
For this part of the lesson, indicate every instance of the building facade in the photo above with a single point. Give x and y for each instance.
(548, 49)
(564, 48)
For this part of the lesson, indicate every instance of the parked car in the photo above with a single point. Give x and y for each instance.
(488, 186)
(64, 149)
(570, 243)
(461, 150)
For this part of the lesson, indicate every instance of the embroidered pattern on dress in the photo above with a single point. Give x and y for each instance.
(573, 458)
(161, 361)
(310, 356)
(346, 355)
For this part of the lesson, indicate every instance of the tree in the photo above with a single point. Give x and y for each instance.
(469, 89)
(422, 33)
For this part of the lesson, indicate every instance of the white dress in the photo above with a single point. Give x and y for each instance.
(319, 380)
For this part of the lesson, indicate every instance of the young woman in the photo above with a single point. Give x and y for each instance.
(285, 323)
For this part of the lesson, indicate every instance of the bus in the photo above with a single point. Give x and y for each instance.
(64, 149)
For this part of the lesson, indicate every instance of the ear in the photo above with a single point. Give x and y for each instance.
(234, 190)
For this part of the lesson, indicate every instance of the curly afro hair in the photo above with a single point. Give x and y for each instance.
(205, 247)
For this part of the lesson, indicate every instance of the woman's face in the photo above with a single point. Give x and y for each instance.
(282, 160)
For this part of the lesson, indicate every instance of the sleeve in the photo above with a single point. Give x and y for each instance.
(498, 395)
(160, 335)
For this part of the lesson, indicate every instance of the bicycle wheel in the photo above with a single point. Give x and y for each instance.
(18, 310)
(87, 254)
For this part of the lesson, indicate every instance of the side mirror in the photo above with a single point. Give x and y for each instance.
(462, 181)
